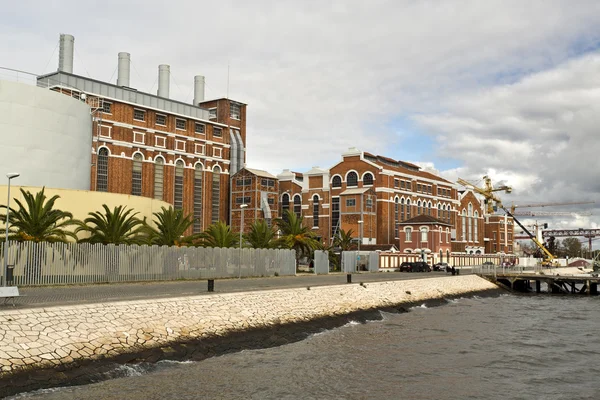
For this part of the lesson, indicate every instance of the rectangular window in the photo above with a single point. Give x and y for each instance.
(335, 215)
(408, 187)
(105, 131)
(494, 247)
(161, 119)
(408, 232)
(199, 148)
(106, 107)
(199, 128)
(244, 182)
(212, 113)
(179, 145)
(139, 115)
(235, 111)
(502, 236)
(270, 200)
(267, 182)
(217, 152)
(350, 202)
(242, 200)
(160, 141)
(217, 132)
(397, 183)
(180, 124)
(401, 185)
(418, 187)
(138, 137)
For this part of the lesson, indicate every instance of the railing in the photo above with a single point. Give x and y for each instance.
(15, 75)
(79, 263)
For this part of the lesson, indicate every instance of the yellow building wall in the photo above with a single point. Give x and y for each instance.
(81, 202)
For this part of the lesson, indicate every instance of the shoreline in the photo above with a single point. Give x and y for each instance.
(271, 333)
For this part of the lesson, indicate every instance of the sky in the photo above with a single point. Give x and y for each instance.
(508, 89)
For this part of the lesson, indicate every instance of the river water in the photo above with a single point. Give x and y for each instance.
(506, 347)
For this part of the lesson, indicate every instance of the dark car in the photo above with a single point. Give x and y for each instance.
(440, 266)
(406, 267)
(420, 266)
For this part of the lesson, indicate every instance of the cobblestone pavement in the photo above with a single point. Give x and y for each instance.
(67, 295)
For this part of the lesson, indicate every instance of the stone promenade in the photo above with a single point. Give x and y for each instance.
(48, 337)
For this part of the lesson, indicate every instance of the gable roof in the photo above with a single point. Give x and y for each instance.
(403, 167)
(424, 219)
(260, 172)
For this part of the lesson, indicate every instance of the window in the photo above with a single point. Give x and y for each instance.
(139, 115)
(502, 236)
(401, 209)
(217, 132)
(396, 221)
(424, 234)
(495, 247)
(401, 184)
(179, 145)
(267, 182)
(418, 187)
(350, 202)
(352, 179)
(160, 141)
(285, 205)
(270, 200)
(242, 200)
(102, 170)
(216, 194)
(335, 215)
(197, 227)
(336, 182)
(315, 211)
(397, 183)
(429, 207)
(106, 107)
(464, 225)
(408, 234)
(235, 111)
(136, 175)
(217, 152)
(368, 179)
(369, 202)
(199, 148)
(408, 211)
(297, 205)
(476, 226)
(244, 182)
(180, 124)
(199, 128)
(161, 119)
(212, 113)
(510, 237)
(494, 235)
(408, 186)
(105, 131)
(159, 169)
(138, 137)
(419, 207)
(178, 202)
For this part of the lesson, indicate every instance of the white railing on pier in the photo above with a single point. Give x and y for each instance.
(44, 263)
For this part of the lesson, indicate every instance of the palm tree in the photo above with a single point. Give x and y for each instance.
(38, 221)
(171, 226)
(343, 240)
(296, 236)
(218, 234)
(261, 235)
(119, 226)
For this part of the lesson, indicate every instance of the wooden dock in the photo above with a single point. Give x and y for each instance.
(582, 284)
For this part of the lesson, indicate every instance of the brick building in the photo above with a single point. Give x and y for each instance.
(255, 193)
(150, 145)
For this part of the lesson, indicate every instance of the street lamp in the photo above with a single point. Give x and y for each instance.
(359, 240)
(242, 207)
(10, 176)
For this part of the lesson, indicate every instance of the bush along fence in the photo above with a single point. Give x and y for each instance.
(44, 263)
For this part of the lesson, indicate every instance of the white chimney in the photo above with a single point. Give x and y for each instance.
(124, 68)
(65, 53)
(164, 77)
(198, 89)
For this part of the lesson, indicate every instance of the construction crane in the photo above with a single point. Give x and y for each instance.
(548, 213)
(548, 256)
(515, 206)
(488, 192)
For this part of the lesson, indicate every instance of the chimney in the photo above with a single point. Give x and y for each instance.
(198, 89)
(65, 53)
(124, 67)
(164, 77)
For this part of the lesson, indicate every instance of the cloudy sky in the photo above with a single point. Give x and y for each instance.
(468, 88)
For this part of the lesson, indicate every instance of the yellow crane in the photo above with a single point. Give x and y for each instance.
(488, 192)
(515, 206)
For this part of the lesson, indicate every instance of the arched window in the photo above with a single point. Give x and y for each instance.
(102, 170)
(216, 194)
(297, 205)
(402, 209)
(419, 207)
(408, 232)
(439, 211)
(285, 205)
(159, 170)
(408, 211)
(136, 175)
(336, 182)
(476, 222)
(429, 207)
(315, 211)
(470, 222)
(198, 171)
(447, 235)
(178, 202)
(367, 179)
(352, 179)
(424, 232)
(396, 221)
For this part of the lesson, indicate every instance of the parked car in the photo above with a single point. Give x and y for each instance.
(440, 266)
(420, 266)
(406, 267)
(488, 264)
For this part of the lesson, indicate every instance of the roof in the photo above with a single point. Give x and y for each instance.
(424, 219)
(403, 167)
(260, 172)
(355, 191)
(378, 247)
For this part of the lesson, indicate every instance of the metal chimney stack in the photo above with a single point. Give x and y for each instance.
(164, 77)
(198, 89)
(124, 69)
(65, 53)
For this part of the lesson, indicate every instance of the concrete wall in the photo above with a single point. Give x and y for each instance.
(45, 136)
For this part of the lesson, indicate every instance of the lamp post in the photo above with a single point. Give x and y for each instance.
(359, 240)
(242, 208)
(10, 176)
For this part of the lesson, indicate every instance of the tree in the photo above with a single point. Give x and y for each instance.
(38, 221)
(119, 226)
(571, 247)
(218, 234)
(296, 236)
(343, 240)
(261, 236)
(171, 226)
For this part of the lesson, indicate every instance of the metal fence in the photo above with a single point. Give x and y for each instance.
(352, 261)
(76, 263)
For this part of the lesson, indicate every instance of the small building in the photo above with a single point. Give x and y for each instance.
(255, 193)
(425, 233)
